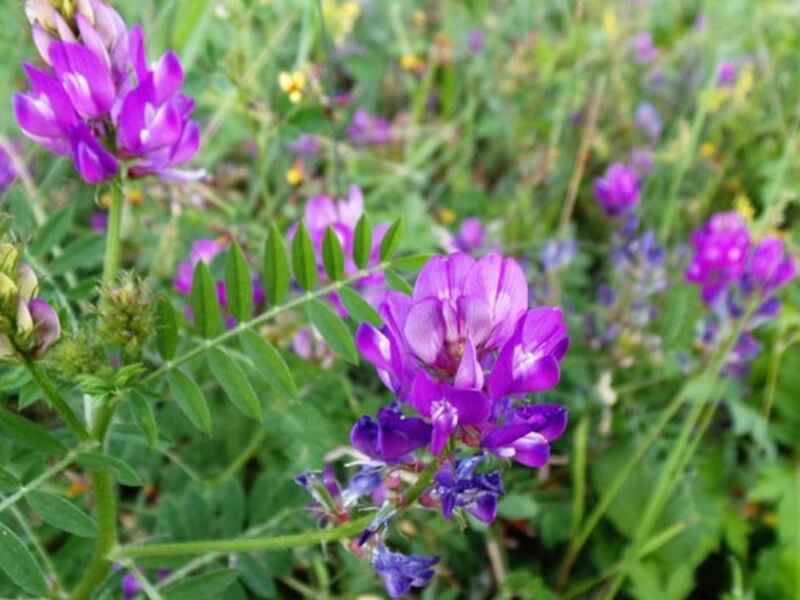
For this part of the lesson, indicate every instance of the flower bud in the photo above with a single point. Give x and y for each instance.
(8, 292)
(126, 313)
(6, 348)
(27, 283)
(24, 319)
(47, 327)
(8, 258)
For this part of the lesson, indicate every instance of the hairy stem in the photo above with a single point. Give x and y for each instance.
(113, 235)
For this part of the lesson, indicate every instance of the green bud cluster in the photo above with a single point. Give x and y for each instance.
(126, 312)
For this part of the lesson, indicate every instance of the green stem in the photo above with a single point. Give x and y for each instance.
(103, 484)
(57, 401)
(113, 235)
(278, 542)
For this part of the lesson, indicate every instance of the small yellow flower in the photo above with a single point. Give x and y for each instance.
(744, 207)
(610, 23)
(708, 150)
(420, 18)
(447, 216)
(293, 84)
(135, 197)
(294, 176)
(104, 201)
(410, 62)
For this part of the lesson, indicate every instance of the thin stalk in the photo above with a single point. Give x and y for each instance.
(35, 483)
(103, 484)
(278, 542)
(57, 401)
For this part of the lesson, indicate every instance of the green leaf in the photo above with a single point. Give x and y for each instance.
(411, 263)
(269, 363)
(239, 284)
(395, 282)
(17, 562)
(53, 231)
(359, 309)
(362, 242)
(142, 409)
(28, 434)
(208, 585)
(190, 399)
(276, 267)
(303, 260)
(333, 329)
(166, 329)
(87, 252)
(391, 240)
(207, 314)
(332, 255)
(235, 383)
(62, 514)
(97, 461)
(8, 481)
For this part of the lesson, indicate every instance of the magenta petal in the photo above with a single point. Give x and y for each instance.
(425, 330)
(168, 77)
(470, 373)
(533, 450)
(550, 420)
(92, 40)
(86, 79)
(444, 418)
(91, 160)
(49, 91)
(474, 318)
(351, 209)
(137, 52)
(35, 117)
(473, 406)
(443, 277)
(374, 346)
(424, 392)
(535, 375)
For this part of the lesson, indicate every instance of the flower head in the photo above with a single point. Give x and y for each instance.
(770, 266)
(721, 248)
(401, 572)
(471, 235)
(644, 51)
(618, 190)
(457, 485)
(367, 129)
(390, 438)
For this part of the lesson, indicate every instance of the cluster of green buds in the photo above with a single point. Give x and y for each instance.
(127, 315)
(28, 325)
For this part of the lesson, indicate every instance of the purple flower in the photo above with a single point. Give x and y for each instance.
(770, 266)
(306, 146)
(476, 40)
(464, 340)
(618, 190)
(742, 356)
(46, 326)
(727, 74)
(8, 170)
(309, 345)
(649, 121)
(98, 221)
(390, 438)
(643, 49)
(557, 254)
(641, 159)
(130, 586)
(98, 88)
(527, 433)
(721, 249)
(369, 130)
(470, 235)
(401, 572)
(458, 486)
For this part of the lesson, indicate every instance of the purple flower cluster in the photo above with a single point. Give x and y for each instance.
(464, 343)
(100, 102)
(618, 190)
(366, 129)
(738, 279)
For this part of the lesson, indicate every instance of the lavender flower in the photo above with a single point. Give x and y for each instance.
(98, 221)
(457, 485)
(641, 159)
(649, 121)
(618, 190)
(99, 86)
(8, 171)
(471, 235)
(367, 129)
(644, 51)
(770, 266)
(721, 249)
(401, 572)
(309, 345)
(305, 146)
(727, 74)
(476, 41)
(526, 434)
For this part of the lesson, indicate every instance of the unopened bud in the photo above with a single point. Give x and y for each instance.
(24, 319)
(6, 348)
(8, 258)
(8, 291)
(27, 283)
